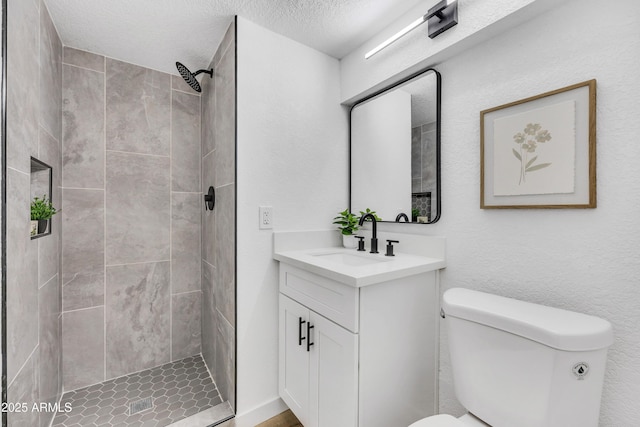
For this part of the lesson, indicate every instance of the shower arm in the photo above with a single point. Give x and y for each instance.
(210, 72)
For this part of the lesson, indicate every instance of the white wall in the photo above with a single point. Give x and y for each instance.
(381, 145)
(292, 151)
(583, 260)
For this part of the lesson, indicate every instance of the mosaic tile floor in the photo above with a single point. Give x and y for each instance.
(177, 390)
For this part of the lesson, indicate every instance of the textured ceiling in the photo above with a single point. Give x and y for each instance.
(157, 33)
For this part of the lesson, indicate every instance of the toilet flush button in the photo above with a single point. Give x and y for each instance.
(580, 370)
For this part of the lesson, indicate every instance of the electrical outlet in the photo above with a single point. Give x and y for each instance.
(266, 217)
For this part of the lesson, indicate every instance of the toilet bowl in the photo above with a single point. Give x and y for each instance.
(520, 364)
(444, 420)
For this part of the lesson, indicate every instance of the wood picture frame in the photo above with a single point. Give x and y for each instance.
(540, 152)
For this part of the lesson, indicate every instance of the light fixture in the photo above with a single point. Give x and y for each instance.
(394, 37)
(441, 17)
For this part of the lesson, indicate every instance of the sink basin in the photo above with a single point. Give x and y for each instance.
(349, 259)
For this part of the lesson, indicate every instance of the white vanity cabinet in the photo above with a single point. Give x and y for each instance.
(353, 355)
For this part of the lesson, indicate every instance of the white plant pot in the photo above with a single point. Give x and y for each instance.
(350, 241)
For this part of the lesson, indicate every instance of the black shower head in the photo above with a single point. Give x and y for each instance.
(190, 77)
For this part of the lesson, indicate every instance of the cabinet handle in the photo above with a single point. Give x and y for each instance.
(300, 337)
(309, 328)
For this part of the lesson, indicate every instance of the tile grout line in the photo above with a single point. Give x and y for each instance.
(199, 216)
(170, 219)
(75, 310)
(49, 134)
(62, 227)
(104, 225)
(208, 263)
(46, 282)
(82, 68)
(59, 385)
(19, 171)
(137, 154)
(202, 220)
(80, 188)
(186, 292)
(183, 91)
(137, 263)
(186, 192)
(22, 367)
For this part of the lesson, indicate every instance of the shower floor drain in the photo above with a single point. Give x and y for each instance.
(140, 405)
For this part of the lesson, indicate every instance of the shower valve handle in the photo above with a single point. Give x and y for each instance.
(210, 199)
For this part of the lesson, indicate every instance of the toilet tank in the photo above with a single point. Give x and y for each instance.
(516, 363)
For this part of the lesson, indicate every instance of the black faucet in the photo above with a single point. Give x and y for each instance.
(374, 233)
(402, 215)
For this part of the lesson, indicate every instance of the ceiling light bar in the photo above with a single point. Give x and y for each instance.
(444, 16)
(394, 37)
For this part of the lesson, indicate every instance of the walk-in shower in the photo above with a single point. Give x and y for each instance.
(123, 313)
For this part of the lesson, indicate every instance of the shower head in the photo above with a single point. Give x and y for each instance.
(190, 77)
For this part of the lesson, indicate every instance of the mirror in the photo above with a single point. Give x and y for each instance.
(395, 151)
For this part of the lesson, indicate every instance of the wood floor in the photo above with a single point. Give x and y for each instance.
(285, 419)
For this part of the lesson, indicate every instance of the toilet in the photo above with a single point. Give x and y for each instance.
(518, 364)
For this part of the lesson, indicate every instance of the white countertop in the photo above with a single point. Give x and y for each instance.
(343, 265)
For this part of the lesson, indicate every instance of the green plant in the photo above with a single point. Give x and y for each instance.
(347, 222)
(42, 208)
(369, 211)
(415, 212)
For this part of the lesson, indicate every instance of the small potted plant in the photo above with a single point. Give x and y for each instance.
(415, 213)
(41, 212)
(369, 211)
(348, 225)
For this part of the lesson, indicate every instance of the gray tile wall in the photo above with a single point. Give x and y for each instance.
(218, 227)
(34, 82)
(117, 285)
(83, 228)
(83, 347)
(423, 162)
(131, 224)
(137, 208)
(138, 317)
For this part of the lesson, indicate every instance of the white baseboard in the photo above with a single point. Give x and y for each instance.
(261, 413)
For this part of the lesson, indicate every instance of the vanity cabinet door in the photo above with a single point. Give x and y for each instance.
(293, 381)
(318, 367)
(334, 375)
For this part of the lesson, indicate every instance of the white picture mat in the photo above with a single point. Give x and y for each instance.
(559, 120)
(581, 194)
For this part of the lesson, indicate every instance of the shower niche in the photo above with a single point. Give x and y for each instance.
(40, 196)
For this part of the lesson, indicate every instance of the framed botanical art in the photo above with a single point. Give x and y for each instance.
(540, 152)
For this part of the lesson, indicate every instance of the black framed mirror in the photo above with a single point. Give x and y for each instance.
(394, 151)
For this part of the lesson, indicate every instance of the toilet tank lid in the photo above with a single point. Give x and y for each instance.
(554, 327)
